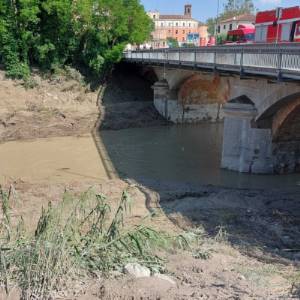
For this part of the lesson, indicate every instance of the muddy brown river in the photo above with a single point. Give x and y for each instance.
(60, 159)
(177, 154)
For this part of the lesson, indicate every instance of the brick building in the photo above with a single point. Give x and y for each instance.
(182, 28)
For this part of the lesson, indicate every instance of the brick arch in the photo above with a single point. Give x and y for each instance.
(274, 101)
(274, 116)
(203, 89)
(286, 141)
(284, 120)
(289, 129)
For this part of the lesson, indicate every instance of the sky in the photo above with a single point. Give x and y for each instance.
(204, 9)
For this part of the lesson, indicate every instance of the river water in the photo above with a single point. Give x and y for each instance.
(189, 153)
(168, 154)
(59, 159)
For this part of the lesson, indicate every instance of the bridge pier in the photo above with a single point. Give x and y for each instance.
(245, 148)
(161, 97)
(166, 103)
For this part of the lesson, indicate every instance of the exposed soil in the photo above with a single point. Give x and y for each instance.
(55, 107)
(252, 237)
(229, 272)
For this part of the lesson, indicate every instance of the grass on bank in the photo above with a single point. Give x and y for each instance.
(79, 237)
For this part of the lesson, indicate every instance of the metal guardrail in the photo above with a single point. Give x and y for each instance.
(276, 60)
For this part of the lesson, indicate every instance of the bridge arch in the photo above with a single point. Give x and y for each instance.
(283, 120)
(286, 137)
(204, 89)
(277, 97)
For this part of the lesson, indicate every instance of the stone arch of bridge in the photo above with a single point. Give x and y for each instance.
(289, 127)
(278, 113)
(204, 89)
(149, 74)
(276, 98)
(283, 118)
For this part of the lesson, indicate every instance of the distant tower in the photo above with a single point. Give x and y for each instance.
(188, 10)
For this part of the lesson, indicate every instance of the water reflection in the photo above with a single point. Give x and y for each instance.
(181, 154)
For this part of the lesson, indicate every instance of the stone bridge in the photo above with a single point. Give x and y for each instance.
(255, 89)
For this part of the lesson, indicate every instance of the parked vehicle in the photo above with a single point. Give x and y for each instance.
(211, 41)
(280, 25)
(244, 34)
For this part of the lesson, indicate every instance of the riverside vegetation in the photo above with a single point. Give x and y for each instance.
(50, 34)
(81, 237)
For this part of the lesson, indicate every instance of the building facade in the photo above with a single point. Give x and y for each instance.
(182, 28)
(233, 23)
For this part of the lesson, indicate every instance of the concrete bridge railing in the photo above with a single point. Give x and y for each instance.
(276, 60)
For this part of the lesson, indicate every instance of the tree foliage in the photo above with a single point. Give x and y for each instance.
(52, 33)
(172, 43)
(211, 24)
(237, 7)
(231, 8)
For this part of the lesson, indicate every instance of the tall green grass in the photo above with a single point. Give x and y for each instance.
(81, 236)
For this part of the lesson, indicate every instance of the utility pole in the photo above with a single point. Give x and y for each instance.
(217, 18)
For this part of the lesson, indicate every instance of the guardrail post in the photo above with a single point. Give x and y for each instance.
(242, 63)
(215, 60)
(167, 56)
(279, 66)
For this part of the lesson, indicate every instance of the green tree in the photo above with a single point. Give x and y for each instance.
(237, 7)
(56, 44)
(231, 8)
(112, 25)
(211, 24)
(172, 43)
(18, 33)
(53, 33)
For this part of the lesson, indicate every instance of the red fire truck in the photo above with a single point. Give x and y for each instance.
(243, 34)
(281, 25)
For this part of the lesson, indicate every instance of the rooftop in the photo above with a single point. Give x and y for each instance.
(244, 17)
(175, 17)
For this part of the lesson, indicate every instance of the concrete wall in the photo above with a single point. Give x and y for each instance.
(245, 149)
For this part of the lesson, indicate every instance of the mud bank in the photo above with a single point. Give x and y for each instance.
(232, 263)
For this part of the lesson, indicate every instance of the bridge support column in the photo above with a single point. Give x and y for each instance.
(245, 148)
(161, 97)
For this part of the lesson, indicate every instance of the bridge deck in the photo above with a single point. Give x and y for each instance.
(276, 60)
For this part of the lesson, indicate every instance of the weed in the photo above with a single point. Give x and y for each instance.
(30, 83)
(260, 276)
(222, 235)
(202, 254)
(80, 237)
(295, 284)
